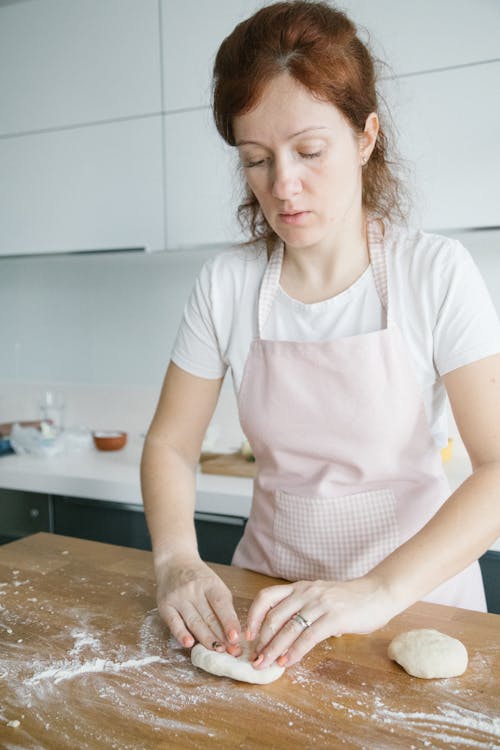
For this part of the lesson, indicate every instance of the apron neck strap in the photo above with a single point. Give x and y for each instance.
(375, 237)
(269, 286)
(271, 279)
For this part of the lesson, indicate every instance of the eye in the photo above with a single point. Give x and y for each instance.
(311, 156)
(256, 163)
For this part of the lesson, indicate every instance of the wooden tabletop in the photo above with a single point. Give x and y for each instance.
(86, 662)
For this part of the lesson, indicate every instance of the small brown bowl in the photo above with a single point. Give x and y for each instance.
(109, 440)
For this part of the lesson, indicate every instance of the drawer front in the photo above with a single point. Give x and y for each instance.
(490, 569)
(101, 521)
(122, 524)
(22, 513)
(218, 536)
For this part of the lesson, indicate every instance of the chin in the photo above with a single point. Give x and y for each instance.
(300, 238)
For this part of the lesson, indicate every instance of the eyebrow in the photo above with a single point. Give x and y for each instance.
(292, 135)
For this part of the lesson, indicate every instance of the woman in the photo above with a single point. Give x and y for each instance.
(344, 332)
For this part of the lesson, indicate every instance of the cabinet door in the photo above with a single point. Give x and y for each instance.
(101, 521)
(22, 513)
(65, 63)
(203, 186)
(490, 569)
(192, 31)
(218, 535)
(88, 188)
(413, 37)
(444, 119)
(117, 523)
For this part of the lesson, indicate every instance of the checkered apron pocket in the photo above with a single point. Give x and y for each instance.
(336, 538)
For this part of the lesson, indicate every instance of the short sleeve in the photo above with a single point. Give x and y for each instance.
(467, 327)
(196, 348)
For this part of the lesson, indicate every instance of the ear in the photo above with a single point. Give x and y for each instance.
(369, 136)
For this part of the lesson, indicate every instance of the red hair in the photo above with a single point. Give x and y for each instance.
(317, 45)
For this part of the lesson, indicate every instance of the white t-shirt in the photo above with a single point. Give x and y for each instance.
(436, 293)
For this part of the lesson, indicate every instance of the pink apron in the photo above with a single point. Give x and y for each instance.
(347, 466)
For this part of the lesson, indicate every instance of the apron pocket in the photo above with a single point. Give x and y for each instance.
(333, 538)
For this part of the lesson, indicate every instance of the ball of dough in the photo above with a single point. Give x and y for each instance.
(429, 654)
(236, 667)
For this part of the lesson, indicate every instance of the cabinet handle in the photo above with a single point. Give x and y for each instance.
(220, 518)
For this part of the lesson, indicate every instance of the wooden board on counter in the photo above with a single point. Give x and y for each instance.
(87, 662)
(228, 464)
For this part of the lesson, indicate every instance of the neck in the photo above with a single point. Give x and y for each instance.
(321, 271)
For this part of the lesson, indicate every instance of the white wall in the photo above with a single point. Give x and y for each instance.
(112, 319)
(93, 318)
(103, 319)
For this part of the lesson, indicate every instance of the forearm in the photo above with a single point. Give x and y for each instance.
(168, 483)
(457, 535)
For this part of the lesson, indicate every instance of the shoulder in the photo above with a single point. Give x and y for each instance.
(234, 269)
(417, 255)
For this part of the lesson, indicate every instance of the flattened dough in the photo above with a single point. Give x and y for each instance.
(429, 654)
(236, 667)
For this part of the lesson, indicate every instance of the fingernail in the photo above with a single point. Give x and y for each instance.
(248, 635)
(187, 641)
(233, 635)
(282, 660)
(258, 660)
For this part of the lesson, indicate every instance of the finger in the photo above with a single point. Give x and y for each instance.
(265, 600)
(211, 620)
(221, 603)
(203, 633)
(313, 635)
(176, 625)
(234, 649)
(283, 642)
(275, 620)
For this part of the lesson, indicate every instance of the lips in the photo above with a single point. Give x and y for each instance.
(293, 217)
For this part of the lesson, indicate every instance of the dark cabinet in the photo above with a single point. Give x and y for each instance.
(124, 524)
(218, 536)
(101, 521)
(490, 569)
(23, 513)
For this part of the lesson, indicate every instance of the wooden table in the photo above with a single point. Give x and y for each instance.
(85, 662)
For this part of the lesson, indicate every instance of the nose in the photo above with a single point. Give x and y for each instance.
(286, 182)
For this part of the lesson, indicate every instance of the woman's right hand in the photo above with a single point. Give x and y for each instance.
(197, 605)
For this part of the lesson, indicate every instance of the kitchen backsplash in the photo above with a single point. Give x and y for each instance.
(101, 319)
(101, 328)
(113, 319)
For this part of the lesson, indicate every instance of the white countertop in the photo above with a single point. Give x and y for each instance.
(114, 476)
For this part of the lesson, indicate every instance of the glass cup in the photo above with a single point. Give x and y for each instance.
(52, 406)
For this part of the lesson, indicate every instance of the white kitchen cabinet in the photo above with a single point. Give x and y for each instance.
(413, 37)
(88, 188)
(65, 63)
(202, 182)
(445, 120)
(192, 31)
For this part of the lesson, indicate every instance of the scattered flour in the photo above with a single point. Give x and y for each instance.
(69, 670)
(83, 639)
(137, 668)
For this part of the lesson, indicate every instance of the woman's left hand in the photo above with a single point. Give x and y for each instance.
(326, 608)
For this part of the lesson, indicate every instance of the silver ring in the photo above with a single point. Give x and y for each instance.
(300, 620)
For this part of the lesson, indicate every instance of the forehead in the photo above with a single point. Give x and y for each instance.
(286, 107)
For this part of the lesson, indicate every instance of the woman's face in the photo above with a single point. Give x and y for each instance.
(302, 161)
